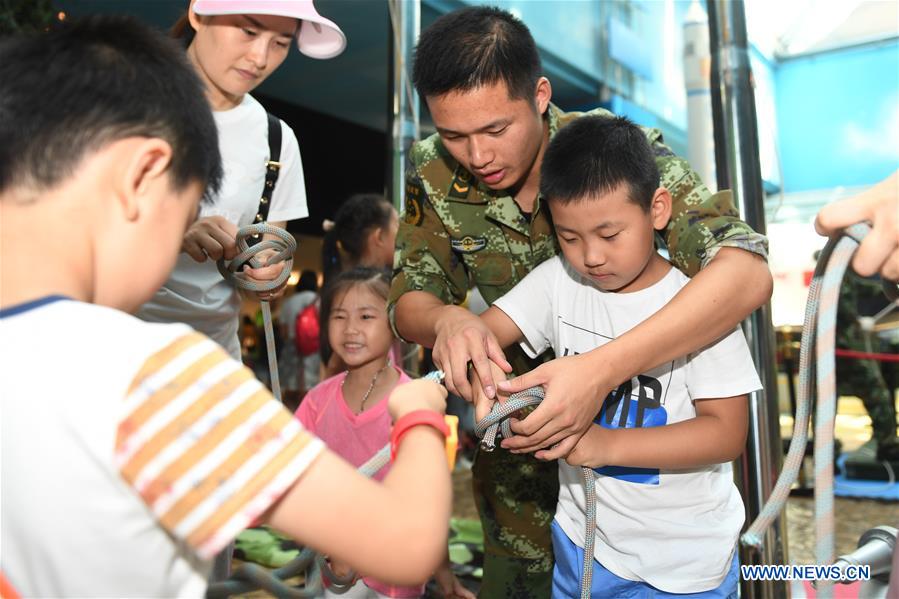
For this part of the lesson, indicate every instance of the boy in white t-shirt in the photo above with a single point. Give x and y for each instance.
(668, 514)
(132, 452)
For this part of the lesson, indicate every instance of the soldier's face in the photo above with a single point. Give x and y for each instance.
(609, 239)
(497, 139)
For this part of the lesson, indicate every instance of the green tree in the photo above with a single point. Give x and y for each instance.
(25, 15)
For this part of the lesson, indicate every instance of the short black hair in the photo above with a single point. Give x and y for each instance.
(473, 47)
(593, 155)
(92, 81)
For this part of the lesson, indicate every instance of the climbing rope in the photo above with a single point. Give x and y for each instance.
(285, 246)
(497, 421)
(818, 334)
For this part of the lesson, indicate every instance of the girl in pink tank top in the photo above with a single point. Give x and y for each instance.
(348, 411)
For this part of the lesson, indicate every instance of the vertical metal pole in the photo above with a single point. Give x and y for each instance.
(737, 162)
(405, 23)
(403, 120)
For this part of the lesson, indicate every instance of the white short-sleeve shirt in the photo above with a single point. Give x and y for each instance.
(676, 530)
(144, 452)
(196, 293)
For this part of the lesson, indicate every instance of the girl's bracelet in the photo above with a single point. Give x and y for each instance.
(445, 424)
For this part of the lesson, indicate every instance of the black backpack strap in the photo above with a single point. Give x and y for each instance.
(272, 169)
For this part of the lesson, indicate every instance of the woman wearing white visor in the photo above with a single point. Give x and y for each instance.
(234, 45)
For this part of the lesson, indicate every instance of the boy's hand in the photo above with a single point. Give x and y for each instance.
(449, 585)
(210, 237)
(416, 395)
(462, 337)
(588, 451)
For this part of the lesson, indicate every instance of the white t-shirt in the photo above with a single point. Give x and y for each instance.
(145, 451)
(196, 293)
(676, 530)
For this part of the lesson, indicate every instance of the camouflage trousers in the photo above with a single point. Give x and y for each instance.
(516, 497)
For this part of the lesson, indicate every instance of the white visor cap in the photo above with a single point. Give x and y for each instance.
(317, 37)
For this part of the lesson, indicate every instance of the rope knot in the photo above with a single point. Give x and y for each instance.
(285, 246)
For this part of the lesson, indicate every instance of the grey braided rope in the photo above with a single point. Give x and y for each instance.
(252, 577)
(497, 421)
(818, 334)
(285, 246)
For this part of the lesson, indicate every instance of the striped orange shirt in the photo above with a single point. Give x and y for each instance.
(205, 444)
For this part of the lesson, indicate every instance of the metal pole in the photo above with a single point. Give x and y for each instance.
(405, 23)
(403, 120)
(738, 168)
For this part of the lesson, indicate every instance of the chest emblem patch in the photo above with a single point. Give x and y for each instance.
(469, 244)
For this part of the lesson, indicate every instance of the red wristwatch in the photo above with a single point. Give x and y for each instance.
(416, 418)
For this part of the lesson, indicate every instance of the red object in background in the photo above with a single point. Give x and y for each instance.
(807, 277)
(6, 589)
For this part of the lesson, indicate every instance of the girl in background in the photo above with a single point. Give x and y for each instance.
(348, 411)
(363, 233)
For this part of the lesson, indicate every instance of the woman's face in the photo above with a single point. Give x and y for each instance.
(233, 54)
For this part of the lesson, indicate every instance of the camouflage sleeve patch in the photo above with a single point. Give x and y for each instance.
(662, 151)
(412, 214)
(461, 184)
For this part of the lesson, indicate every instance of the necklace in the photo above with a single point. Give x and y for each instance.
(371, 386)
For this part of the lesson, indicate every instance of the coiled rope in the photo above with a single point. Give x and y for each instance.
(818, 334)
(284, 245)
(497, 421)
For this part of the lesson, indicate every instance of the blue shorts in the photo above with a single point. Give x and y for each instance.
(569, 565)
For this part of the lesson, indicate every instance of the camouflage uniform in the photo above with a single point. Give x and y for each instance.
(457, 233)
(865, 378)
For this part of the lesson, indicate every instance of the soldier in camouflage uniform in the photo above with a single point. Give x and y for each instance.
(865, 378)
(473, 217)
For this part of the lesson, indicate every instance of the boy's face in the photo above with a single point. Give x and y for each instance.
(154, 244)
(610, 240)
(494, 137)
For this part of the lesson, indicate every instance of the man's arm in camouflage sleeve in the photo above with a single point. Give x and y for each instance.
(701, 222)
(428, 281)
(724, 255)
(426, 273)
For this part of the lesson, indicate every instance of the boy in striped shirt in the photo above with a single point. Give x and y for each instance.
(133, 452)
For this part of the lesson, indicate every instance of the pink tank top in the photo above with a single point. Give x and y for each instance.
(354, 437)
